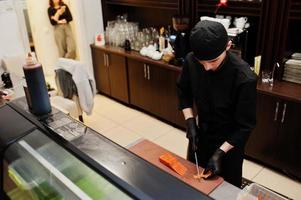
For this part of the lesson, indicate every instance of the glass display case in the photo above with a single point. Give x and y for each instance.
(36, 168)
(55, 157)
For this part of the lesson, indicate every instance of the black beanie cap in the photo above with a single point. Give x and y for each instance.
(208, 39)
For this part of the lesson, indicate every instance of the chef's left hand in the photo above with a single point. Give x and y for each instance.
(215, 163)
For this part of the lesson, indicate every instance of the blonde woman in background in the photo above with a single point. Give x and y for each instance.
(60, 16)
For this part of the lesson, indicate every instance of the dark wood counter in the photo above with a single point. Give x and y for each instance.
(282, 89)
(136, 55)
(277, 133)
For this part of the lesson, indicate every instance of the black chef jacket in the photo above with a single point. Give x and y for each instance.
(225, 99)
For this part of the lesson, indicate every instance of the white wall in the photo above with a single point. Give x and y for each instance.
(87, 21)
(42, 32)
(20, 6)
(13, 42)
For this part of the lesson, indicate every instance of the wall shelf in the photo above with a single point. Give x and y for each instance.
(245, 8)
(295, 10)
(163, 4)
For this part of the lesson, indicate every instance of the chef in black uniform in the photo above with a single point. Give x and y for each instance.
(223, 89)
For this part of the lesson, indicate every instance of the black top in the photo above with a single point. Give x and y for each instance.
(66, 15)
(225, 99)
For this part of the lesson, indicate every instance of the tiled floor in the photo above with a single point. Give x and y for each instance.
(125, 126)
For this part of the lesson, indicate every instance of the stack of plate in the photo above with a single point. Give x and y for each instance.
(292, 69)
(296, 56)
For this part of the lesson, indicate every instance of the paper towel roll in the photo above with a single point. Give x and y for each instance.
(36, 85)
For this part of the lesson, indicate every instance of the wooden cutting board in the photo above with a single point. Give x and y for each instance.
(151, 152)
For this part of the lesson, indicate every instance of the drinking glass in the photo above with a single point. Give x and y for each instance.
(266, 76)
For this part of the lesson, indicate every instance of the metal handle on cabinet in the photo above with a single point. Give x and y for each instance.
(105, 59)
(283, 113)
(144, 67)
(148, 73)
(108, 61)
(276, 111)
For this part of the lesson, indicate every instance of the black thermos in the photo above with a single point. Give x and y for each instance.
(38, 98)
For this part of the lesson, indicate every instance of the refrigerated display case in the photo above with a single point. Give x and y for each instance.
(56, 157)
(40, 169)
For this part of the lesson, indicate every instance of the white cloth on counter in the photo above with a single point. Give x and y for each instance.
(84, 83)
(14, 64)
(151, 52)
(67, 106)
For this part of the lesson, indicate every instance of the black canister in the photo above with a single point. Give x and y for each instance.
(127, 45)
(6, 80)
(36, 86)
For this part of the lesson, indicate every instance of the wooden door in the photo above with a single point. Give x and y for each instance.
(178, 117)
(158, 78)
(139, 86)
(289, 143)
(262, 141)
(101, 72)
(163, 83)
(118, 77)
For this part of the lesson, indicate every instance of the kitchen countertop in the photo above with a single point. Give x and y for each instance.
(136, 55)
(282, 89)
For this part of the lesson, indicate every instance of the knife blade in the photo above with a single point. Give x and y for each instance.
(197, 164)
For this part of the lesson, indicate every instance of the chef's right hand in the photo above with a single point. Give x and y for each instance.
(192, 132)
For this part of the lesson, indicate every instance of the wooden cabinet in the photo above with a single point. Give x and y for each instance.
(261, 144)
(164, 81)
(289, 145)
(139, 86)
(110, 74)
(101, 72)
(118, 77)
(153, 88)
(147, 84)
(276, 140)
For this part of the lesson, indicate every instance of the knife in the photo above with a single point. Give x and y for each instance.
(197, 164)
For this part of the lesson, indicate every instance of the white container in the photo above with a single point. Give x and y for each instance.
(258, 192)
(100, 39)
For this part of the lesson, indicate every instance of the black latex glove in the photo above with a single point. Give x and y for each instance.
(215, 162)
(192, 132)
